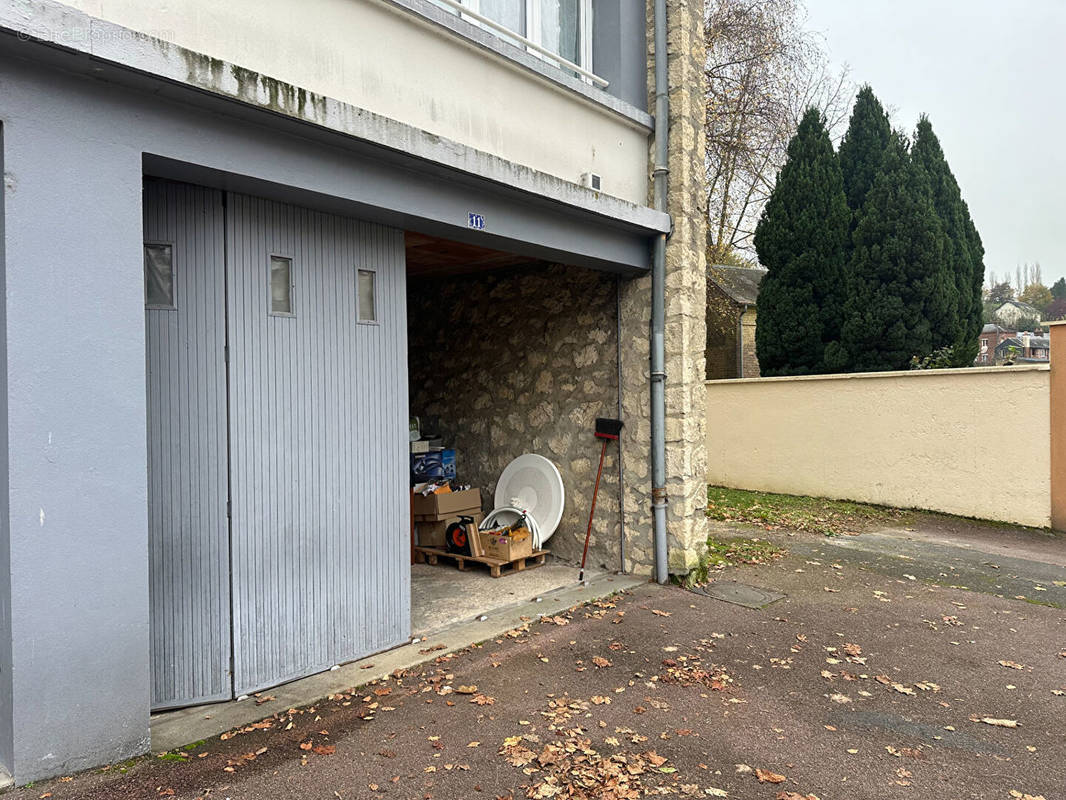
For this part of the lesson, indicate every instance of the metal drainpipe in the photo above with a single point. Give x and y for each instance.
(621, 473)
(660, 173)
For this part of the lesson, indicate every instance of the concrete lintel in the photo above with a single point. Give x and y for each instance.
(174, 729)
(39, 30)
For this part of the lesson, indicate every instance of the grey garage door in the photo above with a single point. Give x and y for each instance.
(313, 462)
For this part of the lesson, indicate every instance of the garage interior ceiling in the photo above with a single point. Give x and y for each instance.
(430, 255)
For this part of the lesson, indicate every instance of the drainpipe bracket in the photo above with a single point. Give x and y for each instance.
(659, 497)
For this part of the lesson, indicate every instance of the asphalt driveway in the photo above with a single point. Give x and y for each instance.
(877, 676)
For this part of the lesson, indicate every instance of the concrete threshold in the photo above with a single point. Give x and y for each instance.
(173, 729)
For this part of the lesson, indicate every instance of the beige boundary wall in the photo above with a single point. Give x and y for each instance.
(973, 442)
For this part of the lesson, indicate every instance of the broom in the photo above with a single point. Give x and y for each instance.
(608, 430)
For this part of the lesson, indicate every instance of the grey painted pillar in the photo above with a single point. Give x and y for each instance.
(6, 735)
(76, 521)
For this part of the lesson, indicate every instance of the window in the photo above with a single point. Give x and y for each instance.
(281, 286)
(562, 27)
(159, 275)
(367, 301)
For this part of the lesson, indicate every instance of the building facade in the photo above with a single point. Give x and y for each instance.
(1015, 312)
(991, 336)
(224, 227)
(1022, 349)
(732, 317)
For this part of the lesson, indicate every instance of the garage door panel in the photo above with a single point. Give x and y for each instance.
(186, 387)
(318, 420)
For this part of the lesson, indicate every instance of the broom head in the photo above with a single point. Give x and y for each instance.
(608, 428)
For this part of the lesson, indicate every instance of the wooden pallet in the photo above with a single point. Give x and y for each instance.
(497, 568)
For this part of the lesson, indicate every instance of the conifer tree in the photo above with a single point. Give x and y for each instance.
(894, 287)
(863, 147)
(958, 321)
(802, 240)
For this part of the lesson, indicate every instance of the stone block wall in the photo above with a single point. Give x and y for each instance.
(686, 299)
(524, 361)
(747, 337)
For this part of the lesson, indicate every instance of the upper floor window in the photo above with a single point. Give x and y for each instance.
(561, 27)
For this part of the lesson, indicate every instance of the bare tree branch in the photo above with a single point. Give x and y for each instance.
(763, 71)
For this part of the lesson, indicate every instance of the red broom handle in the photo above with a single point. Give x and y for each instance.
(595, 492)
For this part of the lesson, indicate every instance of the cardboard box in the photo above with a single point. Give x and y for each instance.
(426, 445)
(507, 548)
(435, 465)
(437, 507)
(431, 534)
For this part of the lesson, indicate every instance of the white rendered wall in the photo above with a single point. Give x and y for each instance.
(393, 63)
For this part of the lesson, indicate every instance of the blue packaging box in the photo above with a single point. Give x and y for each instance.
(436, 465)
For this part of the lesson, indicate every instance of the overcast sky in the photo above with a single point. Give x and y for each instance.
(992, 78)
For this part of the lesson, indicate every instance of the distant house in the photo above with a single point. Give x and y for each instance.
(991, 335)
(1028, 349)
(1010, 312)
(732, 293)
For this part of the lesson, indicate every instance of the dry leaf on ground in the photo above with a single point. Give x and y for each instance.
(765, 776)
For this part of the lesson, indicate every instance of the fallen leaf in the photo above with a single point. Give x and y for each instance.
(600, 661)
(659, 613)
(765, 776)
(324, 749)
(305, 745)
(472, 689)
(1000, 723)
(1011, 665)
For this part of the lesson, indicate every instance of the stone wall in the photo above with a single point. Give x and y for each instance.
(686, 298)
(524, 361)
(747, 337)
